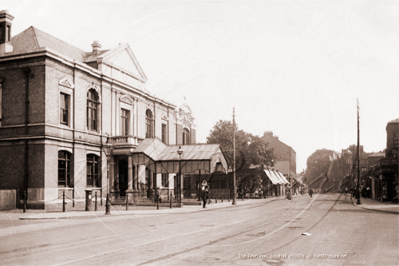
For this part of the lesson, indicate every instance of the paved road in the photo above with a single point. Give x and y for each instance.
(270, 233)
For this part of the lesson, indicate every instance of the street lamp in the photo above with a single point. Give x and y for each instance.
(108, 150)
(179, 152)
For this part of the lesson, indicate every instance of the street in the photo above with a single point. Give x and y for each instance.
(272, 233)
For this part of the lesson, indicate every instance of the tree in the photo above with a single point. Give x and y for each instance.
(317, 164)
(250, 149)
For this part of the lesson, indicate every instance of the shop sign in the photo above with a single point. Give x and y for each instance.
(388, 162)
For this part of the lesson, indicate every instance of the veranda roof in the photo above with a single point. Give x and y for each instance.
(162, 158)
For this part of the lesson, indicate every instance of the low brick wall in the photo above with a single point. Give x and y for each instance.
(8, 199)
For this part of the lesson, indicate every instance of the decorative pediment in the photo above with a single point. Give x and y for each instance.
(123, 60)
(165, 117)
(66, 82)
(126, 99)
(184, 117)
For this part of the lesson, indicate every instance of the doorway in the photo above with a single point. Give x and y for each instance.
(123, 168)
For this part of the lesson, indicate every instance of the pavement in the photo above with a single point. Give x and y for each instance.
(375, 205)
(120, 210)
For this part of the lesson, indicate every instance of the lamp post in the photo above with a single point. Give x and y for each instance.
(234, 160)
(179, 152)
(358, 157)
(108, 149)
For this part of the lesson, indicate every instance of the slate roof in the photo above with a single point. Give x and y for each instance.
(190, 152)
(32, 39)
(152, 147)
(158, 151)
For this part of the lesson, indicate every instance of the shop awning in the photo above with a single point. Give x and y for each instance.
(275, 180)
(297, 179)
(161, 158)
(282, 177)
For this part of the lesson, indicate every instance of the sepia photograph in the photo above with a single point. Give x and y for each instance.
(199, 132)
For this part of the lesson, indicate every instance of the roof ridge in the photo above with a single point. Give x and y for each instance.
(43, 32)
(35, 37)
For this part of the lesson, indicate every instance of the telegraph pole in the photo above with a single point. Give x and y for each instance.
(234, 159)
(358, 157)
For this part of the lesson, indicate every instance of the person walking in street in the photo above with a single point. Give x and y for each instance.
(310, 192)
(205, 195)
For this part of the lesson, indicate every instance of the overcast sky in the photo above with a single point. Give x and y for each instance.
(292, 67)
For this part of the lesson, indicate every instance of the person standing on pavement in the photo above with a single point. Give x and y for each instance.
(310, 192)
(205, 195)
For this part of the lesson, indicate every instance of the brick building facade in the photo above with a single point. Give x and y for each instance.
(285, 155)
(63, 110)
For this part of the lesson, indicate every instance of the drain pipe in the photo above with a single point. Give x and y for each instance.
(27, 72)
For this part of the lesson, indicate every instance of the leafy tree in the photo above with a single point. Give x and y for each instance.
(317, 164)
(250, 149)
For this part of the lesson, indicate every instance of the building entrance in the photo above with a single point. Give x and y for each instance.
(123, 168)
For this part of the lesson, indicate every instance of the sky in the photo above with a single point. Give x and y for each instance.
(296, 68)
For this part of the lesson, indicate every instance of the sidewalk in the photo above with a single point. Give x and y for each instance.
(121, 211)
(375, 205)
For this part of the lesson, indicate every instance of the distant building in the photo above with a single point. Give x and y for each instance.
(285, 156)
(384, 168)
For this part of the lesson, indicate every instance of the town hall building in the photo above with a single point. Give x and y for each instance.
(72, 121)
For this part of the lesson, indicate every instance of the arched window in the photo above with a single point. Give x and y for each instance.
(149, 121)
(64, 165)
(186, 136)
(92, 110)
(93, 171)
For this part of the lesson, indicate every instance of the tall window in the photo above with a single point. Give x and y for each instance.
(93, 170)
(125, 121)
(164, 133)
(92, 108)
(149, 121)
(186, 136)
(64, 108)
(64, 165)
(165, 180)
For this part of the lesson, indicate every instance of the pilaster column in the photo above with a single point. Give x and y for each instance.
(111, 173)
(150, 179)
(130, 173)
(135, 175)
(141, 174)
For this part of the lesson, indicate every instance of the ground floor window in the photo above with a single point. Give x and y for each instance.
(64, 165)
(93, 171)
(165, 180)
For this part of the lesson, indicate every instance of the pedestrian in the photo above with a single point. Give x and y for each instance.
(310, 192)
(288, 195)
(158, 195)
(205, 195)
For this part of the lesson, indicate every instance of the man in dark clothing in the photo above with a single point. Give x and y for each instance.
(310, 192)
(205, 195)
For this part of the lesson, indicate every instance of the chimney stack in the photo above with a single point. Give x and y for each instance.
(268, 133)
(5, 32)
